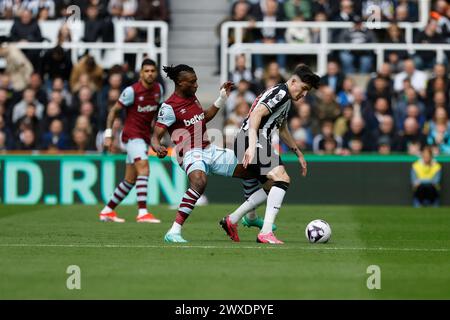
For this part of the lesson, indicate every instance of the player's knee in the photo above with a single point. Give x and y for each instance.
(198, 182)
(281, 184)
(131, 181)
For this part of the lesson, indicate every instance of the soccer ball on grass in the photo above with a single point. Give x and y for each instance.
(318, 231)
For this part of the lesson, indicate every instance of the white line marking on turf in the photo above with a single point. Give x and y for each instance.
(312, 247)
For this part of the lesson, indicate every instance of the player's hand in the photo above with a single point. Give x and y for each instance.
(107, 143)
(303, 164)
(161, 152)
(248, 157)
(227, 86)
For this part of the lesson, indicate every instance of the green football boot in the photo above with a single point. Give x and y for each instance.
(258, 223)
(174, 238)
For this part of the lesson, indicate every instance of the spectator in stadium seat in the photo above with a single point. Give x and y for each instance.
(240, 112)
(18, 67)
(268, 11)
(327, 108)
(358, 130)
(384, 145)
(334, 78)
(381, 89)
(241, 12)
(386, 130)
(27, 140)
(315, 32)
(385, 72)
(345, 96)
(417, 78)
(83, 135)
(8, 139)
(20, 109)
(411, 133)
(308, 122)
(427, 59)
(329, 8)
(425, 180)
(327, 132)
(26, 29)
(409, 6)
(87, 65)
(438, 82)
(153, 10)
(345, 13)
(52, 112)
(241, 72)
(342, 124)
(242, 92)
(272, 73)
(358, 34)
(295, 8)
(56, 63)
(439, 132)
(360, 103)
(378, 8)
(36, 85)
(93, 26)
(373, 115)
(395, 36)
(409, 97)
(55, 136)
(297, 34)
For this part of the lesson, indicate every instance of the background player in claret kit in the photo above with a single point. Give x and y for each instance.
(253, 147)
(141, 101)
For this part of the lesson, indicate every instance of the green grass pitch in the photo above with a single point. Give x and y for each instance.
(130, 261)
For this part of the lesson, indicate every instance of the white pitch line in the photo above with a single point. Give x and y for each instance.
(312, 247)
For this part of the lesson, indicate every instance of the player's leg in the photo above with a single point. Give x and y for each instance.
(120, 193)
(137, 152)
(275, 198)
(197, 184)
(143, 172)
(251, 219)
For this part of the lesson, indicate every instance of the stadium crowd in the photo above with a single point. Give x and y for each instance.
(46, 103)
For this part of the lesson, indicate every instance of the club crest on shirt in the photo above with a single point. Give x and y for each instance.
(141, 98)
(183, 111)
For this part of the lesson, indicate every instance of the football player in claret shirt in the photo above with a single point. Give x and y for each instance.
(141, 101)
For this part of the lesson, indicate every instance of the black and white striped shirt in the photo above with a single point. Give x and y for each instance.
(278, 101)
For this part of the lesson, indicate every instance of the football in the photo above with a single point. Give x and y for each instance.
(318, 231)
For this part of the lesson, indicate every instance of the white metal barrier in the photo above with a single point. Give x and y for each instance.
(321, 49)
(114, 51)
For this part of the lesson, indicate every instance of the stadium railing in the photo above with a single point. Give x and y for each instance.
(113, 51)
(321, 49)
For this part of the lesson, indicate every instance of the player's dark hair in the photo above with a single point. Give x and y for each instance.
(173, 73)
(307, 76)
(148, 62)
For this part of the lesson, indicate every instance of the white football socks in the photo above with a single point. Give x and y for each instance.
(176, 228)
(274, 201)
(250, 204)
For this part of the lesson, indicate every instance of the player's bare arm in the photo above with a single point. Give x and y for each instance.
(112, 114)
(255, 120)
(225, 90)
(158, 134)
(286, 136)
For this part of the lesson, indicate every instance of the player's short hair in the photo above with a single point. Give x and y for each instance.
(148, 62)
(307, 76)
(173, 73)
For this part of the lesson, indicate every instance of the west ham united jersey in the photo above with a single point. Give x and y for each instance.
(141, 105)
(185, 120)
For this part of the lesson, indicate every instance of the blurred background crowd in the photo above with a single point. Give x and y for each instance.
(49, 103)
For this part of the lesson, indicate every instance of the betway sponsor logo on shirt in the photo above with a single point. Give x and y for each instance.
(148, 108)
(195, 119)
